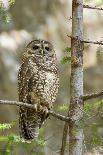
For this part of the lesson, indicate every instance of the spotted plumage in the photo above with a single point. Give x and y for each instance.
(38, 84)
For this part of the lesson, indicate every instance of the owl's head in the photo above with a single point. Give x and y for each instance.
(42, 53)
(40, 49)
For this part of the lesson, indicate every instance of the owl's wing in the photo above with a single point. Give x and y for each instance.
(29, 120)
(24, 82)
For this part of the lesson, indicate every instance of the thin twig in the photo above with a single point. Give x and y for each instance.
(87, 41)
(93, 42)
(64, 139)
(52, 113)
(91, 96)
(91, 7)
(59, 116)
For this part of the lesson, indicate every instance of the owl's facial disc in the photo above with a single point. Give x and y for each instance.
(40, 49)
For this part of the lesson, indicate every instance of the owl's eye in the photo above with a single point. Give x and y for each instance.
(35, 47)
(29, 52)
(47, 48)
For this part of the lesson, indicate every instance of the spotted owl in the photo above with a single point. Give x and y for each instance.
(38, 84)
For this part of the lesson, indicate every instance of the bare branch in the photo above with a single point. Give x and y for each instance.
(91, 96)
(65, 132)
(93, 42)
(88, 41)
(90, 7)
(16, 103)
(58, 116)
(52, 113)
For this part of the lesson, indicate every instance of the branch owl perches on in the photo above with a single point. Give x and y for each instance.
(38, 84)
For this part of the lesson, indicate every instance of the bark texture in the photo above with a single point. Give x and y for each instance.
(76, 83)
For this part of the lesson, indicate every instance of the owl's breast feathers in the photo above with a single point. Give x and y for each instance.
(37, 84)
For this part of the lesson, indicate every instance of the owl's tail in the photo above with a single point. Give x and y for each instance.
(29, 122)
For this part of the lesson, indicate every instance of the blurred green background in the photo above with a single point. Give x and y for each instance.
(24, 20)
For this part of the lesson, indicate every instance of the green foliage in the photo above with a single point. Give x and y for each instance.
(66, 58)
(10, 138)
(13, 142)
(89, 107)
(3, 13)
(67, 49)
(95, 140)
(6, 125)
(16, 139)
(11, 2)
(89, 110)
(62, 108)
(5, 152)
(4, 16)
(88, 123)
(41, 142)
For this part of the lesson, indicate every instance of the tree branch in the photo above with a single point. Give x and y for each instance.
(93, 95)
(93, 42)
(59, 116)
(16, 103)
(52, 113)
(90, 7)
(88, 42)
(64, 139)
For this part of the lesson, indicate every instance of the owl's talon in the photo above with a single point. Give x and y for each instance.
(35, 107)
(39, 108)
(45, 110)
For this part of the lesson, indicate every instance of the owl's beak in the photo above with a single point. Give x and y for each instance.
(42, 52)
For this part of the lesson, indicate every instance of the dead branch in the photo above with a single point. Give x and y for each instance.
(88, 41)
(93, 95)
(90, 7)
(52, 113)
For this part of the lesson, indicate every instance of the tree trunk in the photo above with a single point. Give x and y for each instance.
(76, 83)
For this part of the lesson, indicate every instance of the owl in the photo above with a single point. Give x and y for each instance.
(38, 84)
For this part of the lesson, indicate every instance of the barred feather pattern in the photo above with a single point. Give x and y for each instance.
(38, 84)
